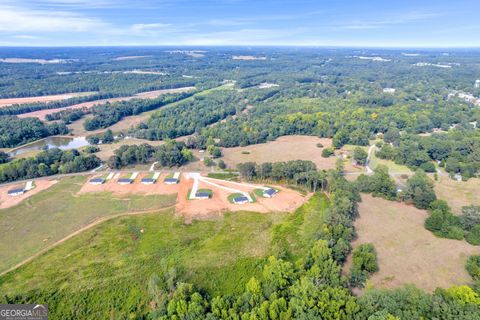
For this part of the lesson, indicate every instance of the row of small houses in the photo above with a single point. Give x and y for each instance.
(125, 181)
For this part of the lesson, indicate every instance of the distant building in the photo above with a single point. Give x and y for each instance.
(171, 181)
(477, 84)
(269, 193)
(202, 195)
(124, 181)
(16, 192)
(97, 181)
(389, 90)
(240, 200)
(148, 181)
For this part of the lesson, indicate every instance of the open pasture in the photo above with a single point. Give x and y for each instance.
(407, 252)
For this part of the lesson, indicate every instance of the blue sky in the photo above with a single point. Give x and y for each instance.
(387, 23)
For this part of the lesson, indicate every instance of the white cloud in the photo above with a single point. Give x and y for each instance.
(14, 19)
(401, 19)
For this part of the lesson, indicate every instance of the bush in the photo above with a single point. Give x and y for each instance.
(364, 263)
(319, 145)
(473, 237)
(327, 152)
(473, 267)
(92, 149)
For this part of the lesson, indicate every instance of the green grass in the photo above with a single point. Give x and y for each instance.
(291, 238)
(109, 267)
(224, 176)
(58, 211)
(233, 196)
(104, 272)
(258, 192)
(392, 166)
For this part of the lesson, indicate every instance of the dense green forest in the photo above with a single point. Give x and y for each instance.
(16, 131)
(47, 163)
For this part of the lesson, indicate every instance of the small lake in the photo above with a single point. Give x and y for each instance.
(63, 143)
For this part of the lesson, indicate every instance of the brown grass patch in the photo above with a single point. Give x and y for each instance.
(287, 148)
(407, 252)
(458, 193)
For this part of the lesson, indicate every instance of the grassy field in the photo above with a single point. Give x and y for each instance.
(458, 193)
(108, 268)
(407, 252)
(58, 211)
(392, 166)
(293, 148)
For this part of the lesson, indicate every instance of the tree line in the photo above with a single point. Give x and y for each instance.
(47, 163)
(16, 131)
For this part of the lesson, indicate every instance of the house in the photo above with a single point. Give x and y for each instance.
(240, 200)
(16, 192)
(148, 181)
(171, 181)
(124, 181)
(202, 195)
(97, 181)
(269, 193)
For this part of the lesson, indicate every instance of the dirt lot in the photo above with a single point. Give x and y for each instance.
(144, 95)
(407, 252)
(136, 187)
(458, 193)
(7, 201)
(284, 149)
(56, 97)
(285, 201)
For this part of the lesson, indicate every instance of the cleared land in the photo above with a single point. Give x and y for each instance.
(287, 148)
(285, 201)
(56, 97)
(51, 215)
(458, 193)
(134, 188)
(407, 252)
(41, 114)
(122, 58)
(7, 201)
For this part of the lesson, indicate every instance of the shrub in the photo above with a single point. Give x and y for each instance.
(473, 267)
(319, 145)
(473, 237)
(327, 152)
(364, 263)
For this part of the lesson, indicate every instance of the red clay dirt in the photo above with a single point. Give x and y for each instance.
(285, 201)
(41, 114)
(7, 201)
(56, 97)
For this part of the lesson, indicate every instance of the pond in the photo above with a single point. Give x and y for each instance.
(63, 143)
